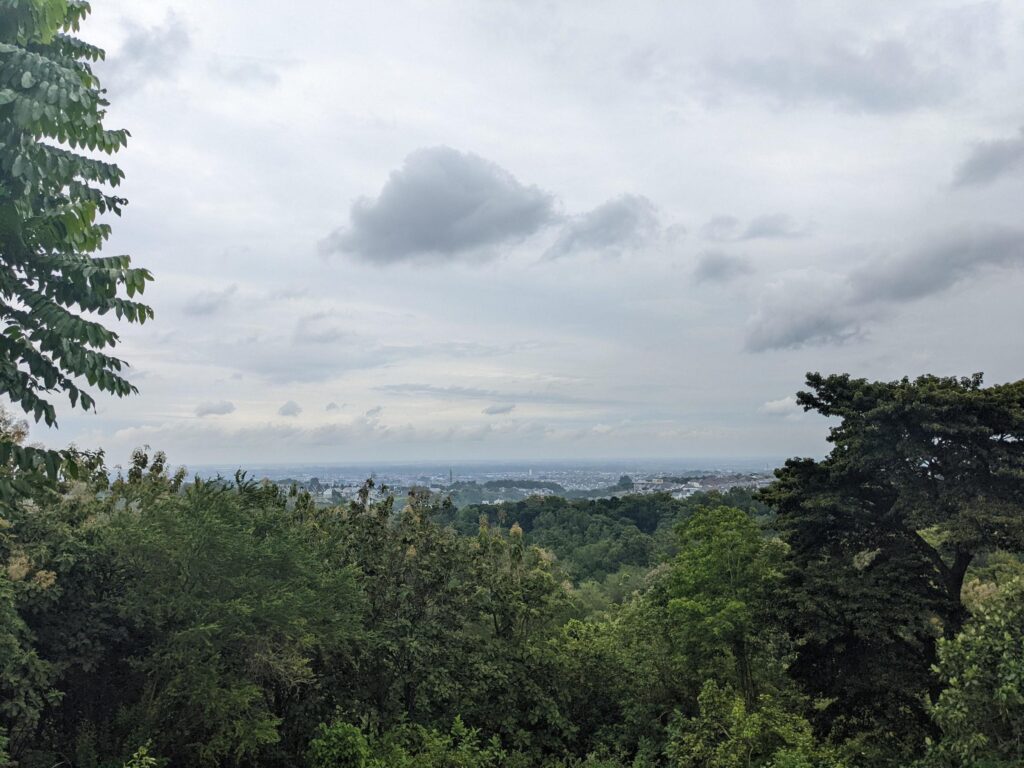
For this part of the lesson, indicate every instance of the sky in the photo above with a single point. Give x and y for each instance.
(525, 230)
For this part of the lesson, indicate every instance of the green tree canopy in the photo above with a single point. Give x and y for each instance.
(981, 708)
(54, 187)
(719, 590)
(938, 462)
(924, 476)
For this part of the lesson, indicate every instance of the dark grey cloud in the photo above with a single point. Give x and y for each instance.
(623, 223)
(135, 374)
(719, 267)
(374, 412)
(829, 309)
(291, 408)
(441, 204)
(879, 77)
(990, 160)
(209, 302)
(332, 406)
(498, 410)
(217, 408)
(803, 312)
(147, 53)
(938, 265)
(675, 234)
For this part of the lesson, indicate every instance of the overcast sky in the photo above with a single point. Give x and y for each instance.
(456, 230)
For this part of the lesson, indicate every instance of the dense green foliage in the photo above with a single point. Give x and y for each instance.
(729, 732)
(226, 623)
(53, 189)
(341, 745)
(594, 539)
(981, 708)
(193, 618)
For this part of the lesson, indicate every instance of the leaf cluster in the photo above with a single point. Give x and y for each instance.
(55, 184)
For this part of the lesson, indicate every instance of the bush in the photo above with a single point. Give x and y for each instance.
(728, 734)
(338, 745)
(341, 745)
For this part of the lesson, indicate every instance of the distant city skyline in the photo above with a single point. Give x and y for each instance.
(406, 232)
(507, 468)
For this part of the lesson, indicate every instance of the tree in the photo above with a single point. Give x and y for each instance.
(718, 594)
(981, 708)
(52, 283)
(518, 602)
(937, 461)
(408, 662)
(593, 678)
(233, 602)
(924, 476)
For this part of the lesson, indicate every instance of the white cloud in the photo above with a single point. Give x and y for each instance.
(498, 410)
(784, 406)
(215, 408)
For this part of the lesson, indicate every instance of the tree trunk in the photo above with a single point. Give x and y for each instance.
(744, 673)
(953, 577)
(954, 586)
